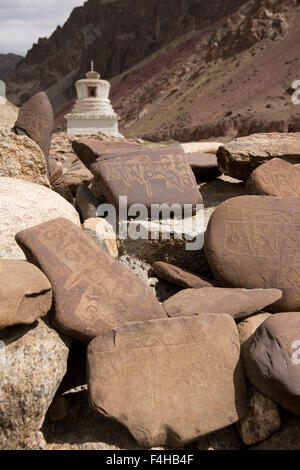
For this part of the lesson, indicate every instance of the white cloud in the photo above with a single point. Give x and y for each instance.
(23, 22)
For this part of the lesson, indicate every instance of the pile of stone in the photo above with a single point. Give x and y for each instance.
(205, 357)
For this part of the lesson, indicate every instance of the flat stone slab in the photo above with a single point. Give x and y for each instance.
(145, 175)
(25, 293)
(239, 303)
(241, 156)
(36, 121)
(204, 166)
(253, 242)
(272, 359)
(275, 178)
(92, 291)
(169, 381)
(180, 277)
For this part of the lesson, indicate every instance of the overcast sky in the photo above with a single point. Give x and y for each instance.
(22, 22)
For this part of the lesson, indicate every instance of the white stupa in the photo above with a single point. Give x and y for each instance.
(92, 111)
(2, 92)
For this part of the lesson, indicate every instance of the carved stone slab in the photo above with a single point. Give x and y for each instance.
(272, 359)
(25, 293)
(275, 178)
(92, 291)
(169, 381)
(145, 175)
(239, 303)
(36, 121)
(180, 277)
(254, 242)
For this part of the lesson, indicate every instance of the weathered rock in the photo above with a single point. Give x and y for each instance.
(36, 121)
(271, 359)
(204, 147)
(76, 175)
(32, 366)
(86, 203)
(23, 205)
(102, 233)
(144, 175)
(275, 178)
(25, 293)
(263, 418)
(179, 277)
(21, 158)
(204, 166)
(252, 242)
(138, 375)
(92, 291)
(55, 174)
(241, 156)
(239, 303)
(288, 438)
(248, 326)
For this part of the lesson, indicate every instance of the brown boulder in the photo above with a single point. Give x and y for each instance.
(25, 293)
(36, 121)
(92, 291)
(180, 277)
(253, 242)
(239, 303)
(271, 359)
(145, 175)
(169, 381)
(275, 178)
(241, 156)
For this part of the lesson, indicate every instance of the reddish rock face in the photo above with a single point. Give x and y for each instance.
(92, 292)
(145, 175)
(275, 178)
(179, 276)
(169, 381)
(239, 303)
(36, 121)
(253, 242)
(25, 293)
(271, 358)
(241, 156)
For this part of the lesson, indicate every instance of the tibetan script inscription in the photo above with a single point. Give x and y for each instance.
(254, 242)
(92, 291)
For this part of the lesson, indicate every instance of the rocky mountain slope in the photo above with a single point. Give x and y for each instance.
(8, 64)
(117, 34)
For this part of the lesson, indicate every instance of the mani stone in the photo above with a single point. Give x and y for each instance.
(144, 175)
(241, 156)
(272, 359)
(204, 166)
(275, 178)
(92, 291)
(254, 242)
(36, 121)
(22, 158)
(180, 277)
(25, 293)
(23, 205)
(169, 381)
(239, 303)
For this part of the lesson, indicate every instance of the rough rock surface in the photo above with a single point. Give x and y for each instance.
(239, 303)
(180, 277)
(22, 158)
(275, 178)
(241, 156)
(32, 366)
(25, 293)
(271, 359)
(36, 120)
(92, 292)
(24, 205)
(103, 234)
(86, 203)
(288, 438)
(159, 399)
(252, 242)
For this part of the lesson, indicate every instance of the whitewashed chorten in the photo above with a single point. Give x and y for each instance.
(92, 111)
(2, 92)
